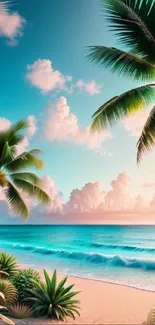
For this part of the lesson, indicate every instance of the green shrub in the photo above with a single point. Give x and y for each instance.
(23, 281)
(48, 299)
(8, 264)
(19, 311)
(151, 316)
(9, 291)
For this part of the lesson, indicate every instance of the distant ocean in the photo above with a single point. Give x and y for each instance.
(117, 254)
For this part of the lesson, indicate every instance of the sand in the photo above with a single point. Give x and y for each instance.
(105, 303)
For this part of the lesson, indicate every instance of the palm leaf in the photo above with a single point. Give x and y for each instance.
(31, 177)
(126, 64)
(147, 138)
(16, 201)
(33, 190)
(124, 105)
(133, 23)
(6, 320)
(25, 160)
(8, 153)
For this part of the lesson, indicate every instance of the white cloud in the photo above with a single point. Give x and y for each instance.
(92, 88)
(4, 124)
(42, 75)
(11, 25)
(63, 126)
(32, 126)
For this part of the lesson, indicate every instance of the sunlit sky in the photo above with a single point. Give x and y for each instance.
(46, 76)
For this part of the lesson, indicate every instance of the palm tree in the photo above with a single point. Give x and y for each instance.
(133, 22)
(12, 178)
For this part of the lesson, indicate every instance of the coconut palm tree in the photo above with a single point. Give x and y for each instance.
(133, 22)
(13, 179)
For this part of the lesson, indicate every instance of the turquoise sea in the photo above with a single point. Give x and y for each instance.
(118, 254)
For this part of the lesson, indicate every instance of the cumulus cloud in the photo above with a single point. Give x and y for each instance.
(61, 125)
(42, 75)
(88, 199)
(135, 123)
(11, 25)
(32, 126)
(49, 186)
(92, 88)
(4, 124)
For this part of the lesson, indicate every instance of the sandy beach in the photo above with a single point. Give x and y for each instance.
(105, 303)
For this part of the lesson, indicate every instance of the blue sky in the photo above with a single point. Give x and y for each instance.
(59, 31)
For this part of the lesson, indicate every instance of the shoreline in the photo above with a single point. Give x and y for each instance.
(108, 303)
(40, 269)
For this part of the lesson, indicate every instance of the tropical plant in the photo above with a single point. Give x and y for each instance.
(8, 265)
(50, 300)
(151, 316)
(19, 311)
(133, 22)
(12, 178)
(9, 291)
(2, 317)
(23, 281)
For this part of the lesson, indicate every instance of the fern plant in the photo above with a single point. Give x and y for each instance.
(52, 300)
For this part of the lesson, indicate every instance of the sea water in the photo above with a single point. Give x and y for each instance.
(117, 254)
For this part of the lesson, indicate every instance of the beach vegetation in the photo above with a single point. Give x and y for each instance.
(52, 300)
(19, 311)
(8, 265)
(9, 292)
(23, 281)
(2, 308)
(133, 24)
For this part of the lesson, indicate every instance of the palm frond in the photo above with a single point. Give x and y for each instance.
(7, 154)
(25, 160)
(16, 201)
(26, 176)
(126, 64)
(121, 106)
(4, 5)
(133, 23)
(32, 190)
(147, 138)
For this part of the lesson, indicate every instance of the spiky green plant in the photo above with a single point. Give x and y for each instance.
(52, 300)
(2, 317)
(13, 179)
(9, 291)
(151, 316)
(19, 311)
(8, 265)
(23, 281)
(133, 23)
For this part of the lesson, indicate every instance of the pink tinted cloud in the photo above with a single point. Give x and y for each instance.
(32, 126)
(148, 185)
(63, 126)
(135, 123)
(11, 25)
(92, 88)
(49, 186)
(42, 75)
(4, 124)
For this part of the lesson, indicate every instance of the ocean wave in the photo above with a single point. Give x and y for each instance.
(91, 257)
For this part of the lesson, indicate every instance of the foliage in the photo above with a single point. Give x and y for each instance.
(12, 178)
(19, 311)
(133, 24)
(9, 291)
(151, 316)
(8, 265)
(2, 317)
(51, 300)
(23, 281)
